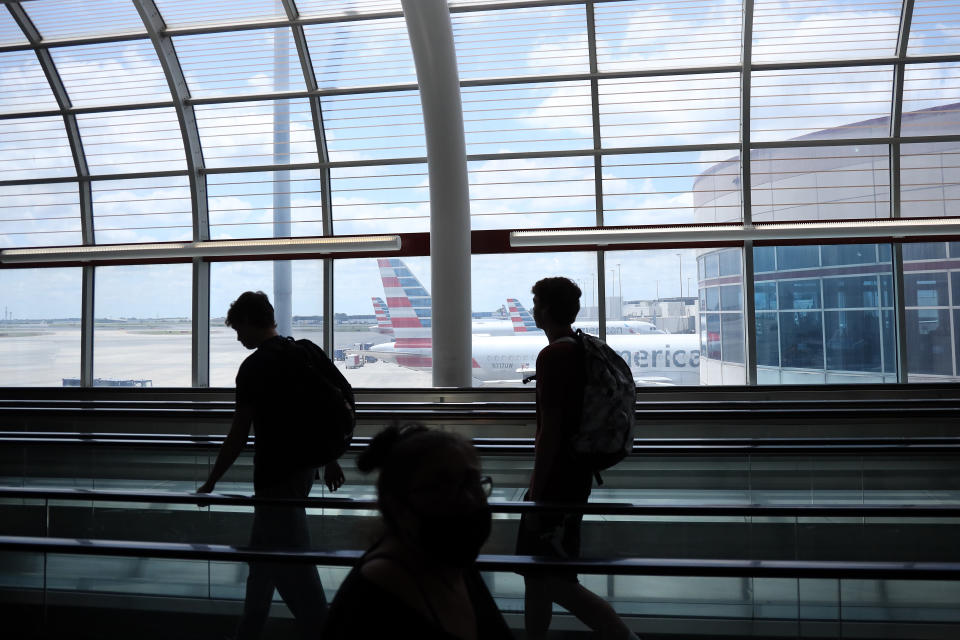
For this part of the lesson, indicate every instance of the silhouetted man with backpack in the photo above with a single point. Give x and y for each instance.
(270, 397)
(560, 474)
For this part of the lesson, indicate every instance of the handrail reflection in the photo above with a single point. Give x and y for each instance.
(498, 506)
(604, 566)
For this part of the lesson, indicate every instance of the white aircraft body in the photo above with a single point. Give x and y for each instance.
(523, 323)
(654, 358)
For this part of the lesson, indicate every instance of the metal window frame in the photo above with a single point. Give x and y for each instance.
(161, 37)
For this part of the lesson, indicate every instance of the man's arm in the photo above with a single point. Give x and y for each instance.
(232, 446)
(554, 386)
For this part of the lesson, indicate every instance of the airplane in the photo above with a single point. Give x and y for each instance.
(523, 323)
(654, 358)
(383, 317)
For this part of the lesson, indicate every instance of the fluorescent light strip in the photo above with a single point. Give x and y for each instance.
(202, 249)
(866, 230)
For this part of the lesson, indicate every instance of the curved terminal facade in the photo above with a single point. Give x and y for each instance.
(826, 313)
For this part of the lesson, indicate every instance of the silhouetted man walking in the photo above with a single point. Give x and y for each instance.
(557, 474)
(261, 383)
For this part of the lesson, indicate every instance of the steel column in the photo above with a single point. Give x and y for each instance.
(435, 57)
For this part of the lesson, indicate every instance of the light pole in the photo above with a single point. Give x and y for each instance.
(680, 259)
(688, 286)
(613, 282)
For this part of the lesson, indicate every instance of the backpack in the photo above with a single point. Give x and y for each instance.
(320, 412)
(605, 434)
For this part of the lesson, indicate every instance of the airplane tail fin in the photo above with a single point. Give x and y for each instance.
(521, 318)
(409, 304)
(383, 316)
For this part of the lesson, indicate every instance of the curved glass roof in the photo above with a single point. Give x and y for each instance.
(158, 120)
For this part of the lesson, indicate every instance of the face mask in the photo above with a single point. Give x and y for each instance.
(454, 539)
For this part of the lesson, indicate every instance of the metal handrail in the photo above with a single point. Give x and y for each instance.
(947, 445)
(497, 506)
(603, 566)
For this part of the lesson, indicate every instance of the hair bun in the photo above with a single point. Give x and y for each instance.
(381, 448)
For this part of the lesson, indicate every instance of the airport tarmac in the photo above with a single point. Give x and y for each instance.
(42, 356)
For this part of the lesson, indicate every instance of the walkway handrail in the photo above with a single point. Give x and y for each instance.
(604, 566)
(524, 446)
(592, 508)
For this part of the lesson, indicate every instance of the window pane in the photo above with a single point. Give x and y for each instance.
(799, 294)
(853, 340)
(380, 199)
(38, 215)
(132, 141)
(668, 110)
(713, 265)
(360, 53)
(732, 333)
(730, 298)
(768, 340)
(852, 292)
(533, 41)
(40, 334)
(111, 73)
(372, 126)
(240, 62)
(801, 340)
(837, 254)
(25, 87)
(928, 343)
(811, 183)
(656, 286)
(35, 148)
(265, 204)
(671, 188)
(713, 298)
(532, 193)
(930, 32)
(930, 94)
(765, 295)
(730, 262)
(799, 257)
(299, 314)
(142, 325)
(764, 259)
(925, 289)
(713, 336)
(792, 103)
(824, 30)
(930, 179)
(373, 359)
(142, 210)
(924, 251)
(678, 34)
(257, 133)
(519, 118)
(889, 342)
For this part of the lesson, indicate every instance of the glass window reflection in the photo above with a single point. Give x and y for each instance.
(801, 340)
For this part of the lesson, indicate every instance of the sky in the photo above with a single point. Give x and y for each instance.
(652, 188)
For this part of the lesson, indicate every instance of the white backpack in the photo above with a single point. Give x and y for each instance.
(605, 434)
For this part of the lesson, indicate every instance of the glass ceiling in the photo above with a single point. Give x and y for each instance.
(155, 120)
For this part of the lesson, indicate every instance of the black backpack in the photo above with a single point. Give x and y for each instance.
(320, 413)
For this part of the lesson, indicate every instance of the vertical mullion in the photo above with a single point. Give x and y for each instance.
(746, 199)
(900, 302)
(201, 323)
(597, 167)
(86, 326)
(326, 200)
(896, 115)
